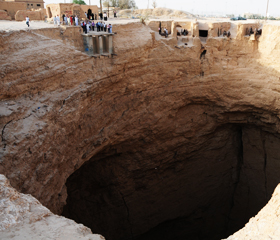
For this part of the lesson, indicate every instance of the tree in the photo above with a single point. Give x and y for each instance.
(126, 4)
(111, 3)
(106, 3)
(154, 4)
(81, 2)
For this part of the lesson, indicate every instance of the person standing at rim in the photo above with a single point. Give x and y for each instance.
(97, 26)
(105, 27)
(92, 26)
(54, 21)
(58, 20)
(159, 31)
(87, 26)
(65, 19)
(27, 21)
(71, 20)
(76, 20)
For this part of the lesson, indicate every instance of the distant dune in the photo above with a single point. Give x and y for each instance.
(156, 12)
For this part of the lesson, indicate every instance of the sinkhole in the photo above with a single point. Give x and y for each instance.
(192, 190)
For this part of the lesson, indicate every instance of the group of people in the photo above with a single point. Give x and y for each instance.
(86, 25)
(184, 32)
(165, 32)
(67, 20)
(99, 27)
(226, 34)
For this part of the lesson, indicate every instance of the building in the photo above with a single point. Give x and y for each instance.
(70, 9)
(12, 6)
(30, 4)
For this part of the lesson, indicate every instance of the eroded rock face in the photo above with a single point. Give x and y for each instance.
(23, 217)
(265, 225)
(157, 139)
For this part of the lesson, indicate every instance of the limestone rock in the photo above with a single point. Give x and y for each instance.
(23, 217)
(266, 225)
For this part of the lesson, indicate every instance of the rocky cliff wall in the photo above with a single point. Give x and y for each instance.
(155, 138)
(23, 217)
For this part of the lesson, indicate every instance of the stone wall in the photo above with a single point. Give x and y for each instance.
(67, 9)
(188, 25)
(4, 15)
(154, 25)
(12, 7)
(33, 15)
(217, 29)
(242, 29)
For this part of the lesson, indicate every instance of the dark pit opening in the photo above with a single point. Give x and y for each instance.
(180, 190)
(203, 33)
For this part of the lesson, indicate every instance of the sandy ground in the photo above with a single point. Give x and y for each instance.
(15, 25)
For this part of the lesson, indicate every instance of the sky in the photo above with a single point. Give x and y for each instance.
(221, 7)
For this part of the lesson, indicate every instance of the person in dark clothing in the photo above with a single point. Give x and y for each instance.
(85, 26)
(159, 31)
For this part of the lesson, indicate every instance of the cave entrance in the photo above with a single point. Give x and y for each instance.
(191, 191)
(203, 33)
(89, 13)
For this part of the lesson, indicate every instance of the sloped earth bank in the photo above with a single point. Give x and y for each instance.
(157, 143)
